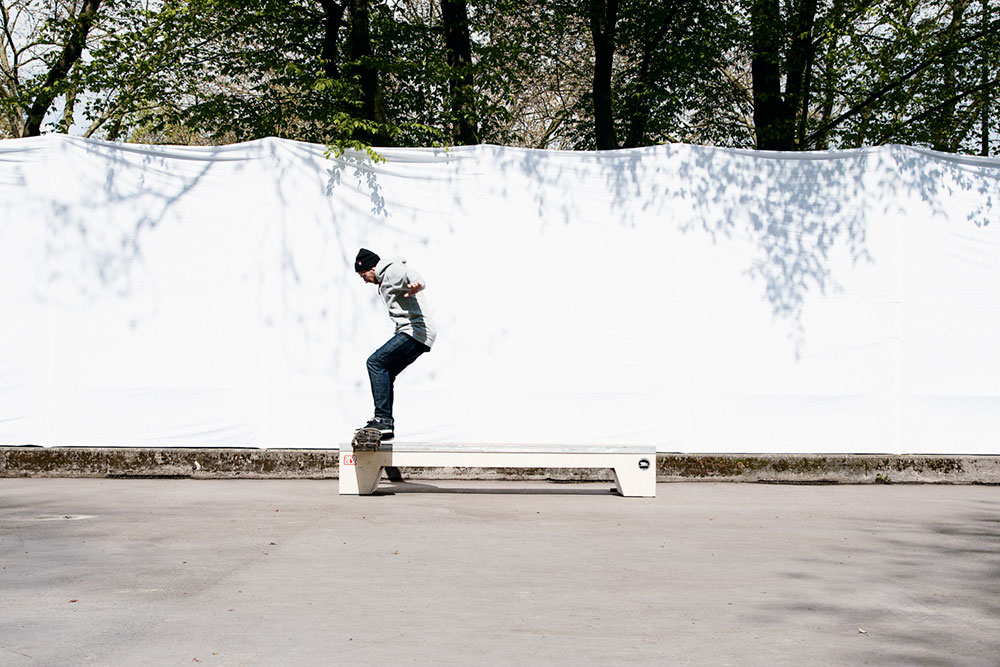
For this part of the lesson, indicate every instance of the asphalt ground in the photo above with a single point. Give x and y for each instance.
(286, 572)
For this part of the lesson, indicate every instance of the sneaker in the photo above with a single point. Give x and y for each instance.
(385, 430)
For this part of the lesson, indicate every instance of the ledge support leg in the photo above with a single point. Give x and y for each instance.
(636, 478)
(360, 472)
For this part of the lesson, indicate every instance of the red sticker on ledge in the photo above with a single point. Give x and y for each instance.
(350, 460)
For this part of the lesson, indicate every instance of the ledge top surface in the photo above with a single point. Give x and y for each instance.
(471, 448)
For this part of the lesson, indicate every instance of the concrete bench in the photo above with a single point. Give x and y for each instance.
(634, 467)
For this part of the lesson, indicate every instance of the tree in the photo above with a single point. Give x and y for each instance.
(534, 73)
(41, 44)
(304, 70)
(771, 74)
(348, 72)
(669, 53)
(366, 75)
(775, 112)
(865, 72)
(603, 22)
(987, 70)
(461, 83)
(648, 70)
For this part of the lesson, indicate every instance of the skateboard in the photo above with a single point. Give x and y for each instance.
(366, 440)
(370, 440)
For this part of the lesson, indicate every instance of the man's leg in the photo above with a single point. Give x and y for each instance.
(384, 365)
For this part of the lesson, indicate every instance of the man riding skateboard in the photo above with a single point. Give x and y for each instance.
(400, 287)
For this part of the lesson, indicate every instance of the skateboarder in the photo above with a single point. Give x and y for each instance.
(399, 286)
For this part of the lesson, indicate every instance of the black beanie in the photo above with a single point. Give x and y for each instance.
(365, 260)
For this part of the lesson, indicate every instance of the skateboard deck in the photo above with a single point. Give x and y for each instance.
(366, 440)
(370, 440)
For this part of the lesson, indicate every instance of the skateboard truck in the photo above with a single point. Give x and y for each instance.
(366, 440)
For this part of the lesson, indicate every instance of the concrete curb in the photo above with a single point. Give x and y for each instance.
(323, 464)
(829, 468)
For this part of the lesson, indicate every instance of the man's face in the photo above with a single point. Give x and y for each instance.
(368, 276)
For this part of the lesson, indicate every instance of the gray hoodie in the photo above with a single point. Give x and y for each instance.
(408, 313)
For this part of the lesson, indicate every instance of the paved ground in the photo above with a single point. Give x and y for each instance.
(177, 572)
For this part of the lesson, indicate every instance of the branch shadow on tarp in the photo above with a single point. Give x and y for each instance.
(96, 256)
(797, 209)
(794, 210)
(319, 292)
(363, 168)
(936, 178)
(95, 243)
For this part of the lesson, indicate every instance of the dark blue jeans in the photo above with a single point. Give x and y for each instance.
(385, 364)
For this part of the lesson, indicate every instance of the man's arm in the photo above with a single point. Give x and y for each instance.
(407, 283)
(415, 282)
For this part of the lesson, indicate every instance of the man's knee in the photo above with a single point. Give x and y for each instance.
(375, 363)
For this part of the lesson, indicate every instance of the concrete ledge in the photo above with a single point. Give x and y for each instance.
(829, 468)
(168, 462)
(323, 464)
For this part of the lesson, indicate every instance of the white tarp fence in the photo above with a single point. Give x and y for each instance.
(698, 299)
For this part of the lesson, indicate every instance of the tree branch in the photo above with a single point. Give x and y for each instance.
(934, 109)
(878, 94)
(72, 51)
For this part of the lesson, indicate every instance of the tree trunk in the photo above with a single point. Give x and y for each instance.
(829, 84)
(603, 18)
(770, 119)
(73, 49)
(360, 43)
(637, 110)
(67, 119)
(333, 21)
(945, 136)
(458, 48)
(984, 147)
(9, 83)
(799, 67)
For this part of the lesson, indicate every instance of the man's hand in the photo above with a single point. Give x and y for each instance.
(414, 288)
